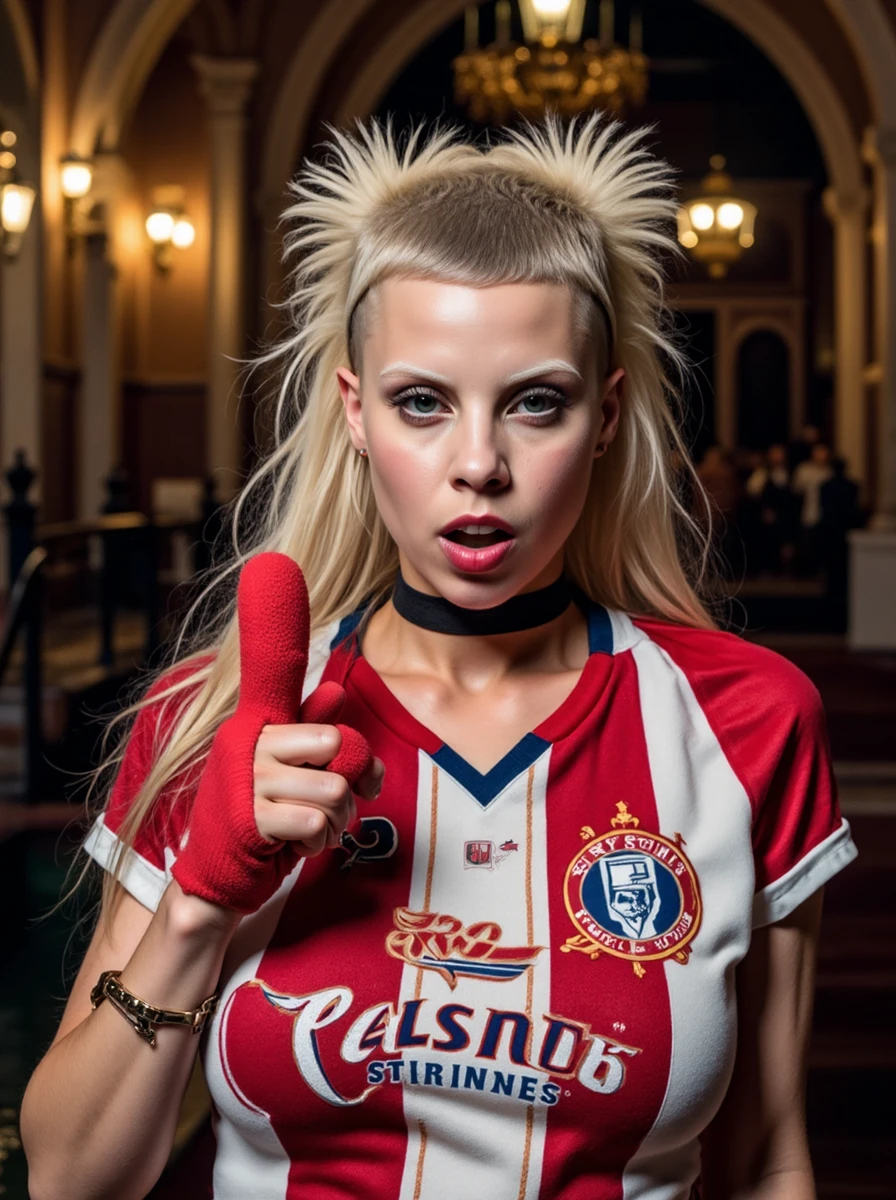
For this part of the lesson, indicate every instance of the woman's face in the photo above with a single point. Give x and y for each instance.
(480, 406)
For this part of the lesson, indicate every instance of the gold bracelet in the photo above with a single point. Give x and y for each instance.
(145, 1017)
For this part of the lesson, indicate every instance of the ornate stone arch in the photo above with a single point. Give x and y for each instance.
(20, 22)
(757, 20)
(127, 49)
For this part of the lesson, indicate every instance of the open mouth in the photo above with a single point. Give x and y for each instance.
(475, 541)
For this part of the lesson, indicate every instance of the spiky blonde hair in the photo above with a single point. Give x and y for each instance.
(587, 206)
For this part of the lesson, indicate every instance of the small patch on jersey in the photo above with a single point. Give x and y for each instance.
(632, 895)
(486, 854)
(376, 839)
(439, 942)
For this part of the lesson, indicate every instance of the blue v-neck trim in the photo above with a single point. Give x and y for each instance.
(484, 788)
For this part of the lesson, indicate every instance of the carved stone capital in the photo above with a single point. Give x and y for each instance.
(226, 83)
(879, 147)
(843, 206)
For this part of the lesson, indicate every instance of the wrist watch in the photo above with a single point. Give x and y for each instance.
(145, 1017)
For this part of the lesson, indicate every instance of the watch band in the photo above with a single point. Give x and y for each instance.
(145, 1017)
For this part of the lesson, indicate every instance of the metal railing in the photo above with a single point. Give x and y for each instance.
(118, 556)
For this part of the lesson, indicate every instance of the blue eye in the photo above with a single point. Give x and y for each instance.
(426, 405)
(543, 402)
(542, 405)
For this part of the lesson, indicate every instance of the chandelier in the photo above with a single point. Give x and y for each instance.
(718, 226)
(553, 70)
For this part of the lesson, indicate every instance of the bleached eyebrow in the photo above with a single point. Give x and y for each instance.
(406, 368)
(550, 364)
(542, 368)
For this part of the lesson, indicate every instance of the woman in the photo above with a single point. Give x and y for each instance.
(593, 828)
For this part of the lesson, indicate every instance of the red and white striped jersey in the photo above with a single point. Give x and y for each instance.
(517, 984)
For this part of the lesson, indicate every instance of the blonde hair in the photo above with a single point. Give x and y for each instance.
(591, 207)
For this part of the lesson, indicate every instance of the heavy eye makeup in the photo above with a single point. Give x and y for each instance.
(552, 400)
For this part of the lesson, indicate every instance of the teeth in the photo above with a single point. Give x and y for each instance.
(480, 529)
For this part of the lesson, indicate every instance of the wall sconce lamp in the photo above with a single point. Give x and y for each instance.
(168, 227)
(16, 198)
(75, 182)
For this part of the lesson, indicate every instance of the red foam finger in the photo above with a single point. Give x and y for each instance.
(324, 704)
(274, 624)
(354, 757)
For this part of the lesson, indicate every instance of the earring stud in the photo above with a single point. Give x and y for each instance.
(363, 453)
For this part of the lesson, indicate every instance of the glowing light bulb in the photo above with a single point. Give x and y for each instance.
(183, 234)
(551, 8)
(16, 202)
(702, 216)
(730, 215)
(160, 226)
(75, 177)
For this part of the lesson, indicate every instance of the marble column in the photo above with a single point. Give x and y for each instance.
(97, 413)
(226, 84)
(99, 408)
(873, 551)
(848, 215)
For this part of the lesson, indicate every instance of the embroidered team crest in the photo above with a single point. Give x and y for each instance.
(632, 895)
(479, 854)
(487, 854)
(442, 943)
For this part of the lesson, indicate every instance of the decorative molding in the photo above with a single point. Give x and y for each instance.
(299, 88)
(225, 83)
(129, 46)
(783, 46)
(879, 146)
(25, 44)
(840, 207)
(869, 30)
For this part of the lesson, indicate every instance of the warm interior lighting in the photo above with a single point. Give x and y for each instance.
(551, 8)
(183, 234)
(717, 226)
(160, 226)
(730, 215)
(8, 138)
(168, 226)
(16, 203)
(75, 176)
(550, 21)
(7, 160)
(702, 216)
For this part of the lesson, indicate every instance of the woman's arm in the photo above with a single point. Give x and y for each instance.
(756, 1148)
(100, 1112)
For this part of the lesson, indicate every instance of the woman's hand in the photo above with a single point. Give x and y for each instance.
(294, 801)
(261, 804)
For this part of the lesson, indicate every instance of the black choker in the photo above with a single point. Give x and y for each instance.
(514, 615)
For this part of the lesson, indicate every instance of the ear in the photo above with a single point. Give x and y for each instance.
(610, 407)
(350, 390)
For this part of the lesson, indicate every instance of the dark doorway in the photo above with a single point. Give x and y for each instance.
(763, 390)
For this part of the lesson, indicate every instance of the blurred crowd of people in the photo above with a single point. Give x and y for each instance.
(784, 511)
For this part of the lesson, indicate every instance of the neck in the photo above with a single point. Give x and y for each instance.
(397, 646)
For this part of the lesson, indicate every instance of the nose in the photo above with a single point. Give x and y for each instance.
(479, 459)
